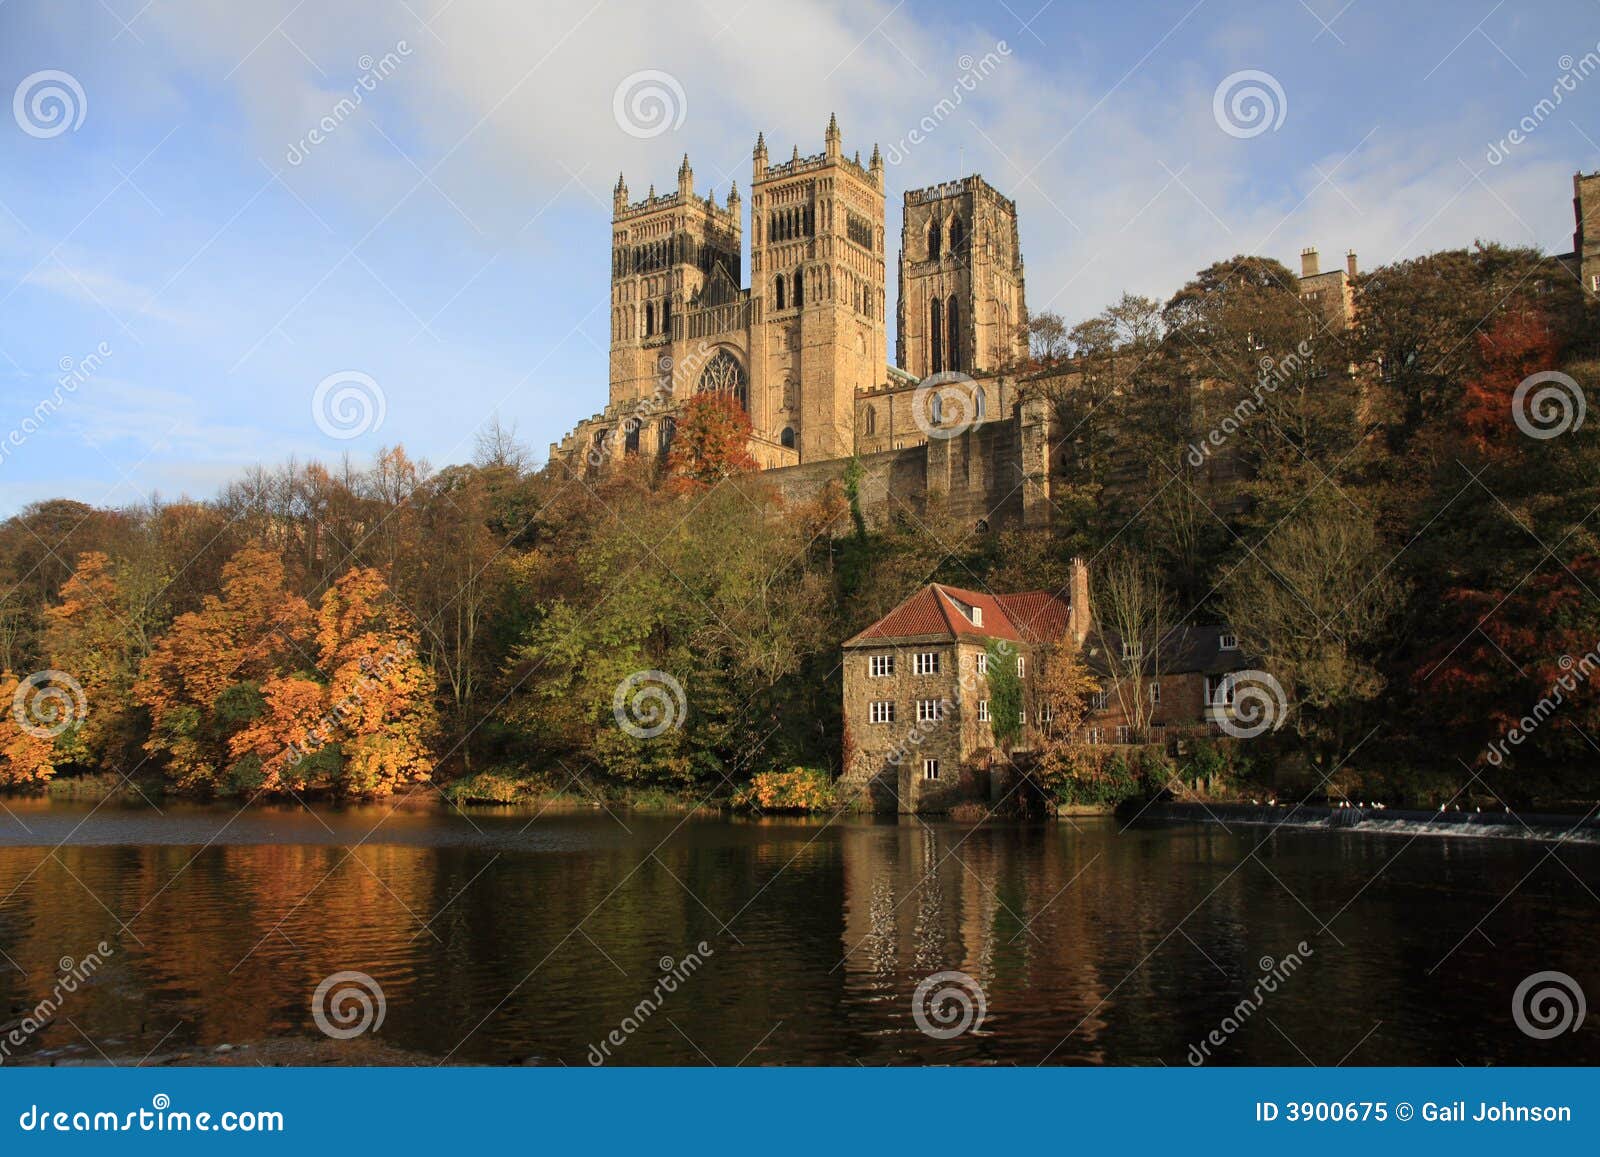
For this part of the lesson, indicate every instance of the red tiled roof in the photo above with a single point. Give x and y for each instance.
(940, 611)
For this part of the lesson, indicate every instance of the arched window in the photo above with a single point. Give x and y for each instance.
(669, 428)
(958, 236)
(936, 334)
(777, 290)
(787, 437)
(799, 288)
(933, 240)
(952, 343)
(724, 375)
(630, 437)
(649, 318)
(666, 315)
(872, 420)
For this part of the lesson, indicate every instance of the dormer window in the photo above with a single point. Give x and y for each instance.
(1228, 642)
(977, 616)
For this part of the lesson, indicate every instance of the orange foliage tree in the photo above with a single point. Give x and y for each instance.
(1513, 347)
(86, 636)
(711, 442)
(25, 757)
(367, 723)
(202, 680)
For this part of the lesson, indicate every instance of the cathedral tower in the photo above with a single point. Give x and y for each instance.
(1586, 237)
(667, 253)
(961, 287)
(817, 282)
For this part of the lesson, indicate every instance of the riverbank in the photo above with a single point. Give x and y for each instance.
(1507, 825)
(282, 1052)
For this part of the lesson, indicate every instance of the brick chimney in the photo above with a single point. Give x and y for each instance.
(1350, 263)
(1309, 266)
(1079, 612)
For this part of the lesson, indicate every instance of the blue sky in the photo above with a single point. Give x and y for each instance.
(448, 237)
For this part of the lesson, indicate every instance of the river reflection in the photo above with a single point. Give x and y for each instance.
(505, 936)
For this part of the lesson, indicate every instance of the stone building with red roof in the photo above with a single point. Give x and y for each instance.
(916, 689)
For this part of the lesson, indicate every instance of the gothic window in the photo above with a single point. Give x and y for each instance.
(958, 236)
(724, 375)
(953, 338)
(872, 420)
(630, 439)
(933, 240)
(787, 437)
(936, 334)
(777, 290)
(649, 318)
(799, 288)
(666, 315)
(669, 427)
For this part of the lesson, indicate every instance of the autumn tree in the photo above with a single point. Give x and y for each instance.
(1134, 616)
(1064, 690)
(711, 441)
(26, 756)
(202, 681)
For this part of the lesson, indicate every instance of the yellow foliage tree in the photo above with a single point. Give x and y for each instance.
(25, 757)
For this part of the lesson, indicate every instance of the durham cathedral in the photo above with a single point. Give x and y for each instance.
(803, 347)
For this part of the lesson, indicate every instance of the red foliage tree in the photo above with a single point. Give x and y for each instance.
(1513, 346)
(712, 441)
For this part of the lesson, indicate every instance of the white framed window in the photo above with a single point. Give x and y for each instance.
(1101, 698)
(1094, 737)
(930, 710)
(1155, 692)
(1594, 282)
(1022, 665)
(983, 711)
(1219, 691)
(927, 663)
(1122, 733)
(982, 665)
(977, 616)
(881, 665)
(1022, 716)
(1228, 642)
(1128, 652)
(930, 769)
(1045, 714)
(881, 711)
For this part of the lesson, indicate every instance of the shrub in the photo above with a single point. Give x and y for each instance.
(798, 789)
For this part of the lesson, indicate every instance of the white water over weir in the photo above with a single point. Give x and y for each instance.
(1584, 829)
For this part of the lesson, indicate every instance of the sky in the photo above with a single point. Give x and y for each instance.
(213, 254)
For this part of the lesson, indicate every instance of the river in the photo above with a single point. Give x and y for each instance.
(510, 937)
